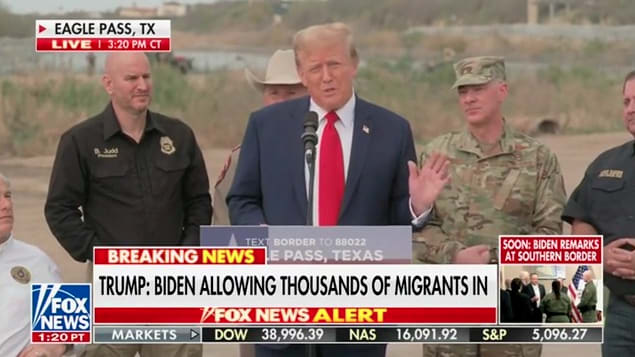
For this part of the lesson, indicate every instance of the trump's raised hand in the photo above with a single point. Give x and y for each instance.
(426, 184)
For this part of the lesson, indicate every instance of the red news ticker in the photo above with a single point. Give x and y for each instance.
(60, 337)
(310, 315)
(551, 249)
(109, 44)
(180, 256)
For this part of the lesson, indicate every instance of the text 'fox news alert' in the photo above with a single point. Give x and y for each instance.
(60, 313)
(102, 35)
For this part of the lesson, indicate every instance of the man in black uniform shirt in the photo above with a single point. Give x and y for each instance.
(604, 203)
(138, 177)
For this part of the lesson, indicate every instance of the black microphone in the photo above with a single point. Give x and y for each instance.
(309, 137)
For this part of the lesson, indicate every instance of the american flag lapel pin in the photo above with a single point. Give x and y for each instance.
(365, 129)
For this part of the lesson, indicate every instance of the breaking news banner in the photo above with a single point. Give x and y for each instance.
(177, 295)
(102, 35)
(178, 286)
(61, 313)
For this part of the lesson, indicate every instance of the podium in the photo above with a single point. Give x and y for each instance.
(318, 245)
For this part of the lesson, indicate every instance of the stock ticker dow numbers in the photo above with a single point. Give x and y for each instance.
(292, 334)
(269, 334)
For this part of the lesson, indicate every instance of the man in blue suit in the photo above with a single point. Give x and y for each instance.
(365, 172)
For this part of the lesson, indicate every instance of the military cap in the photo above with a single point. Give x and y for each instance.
(478, 70)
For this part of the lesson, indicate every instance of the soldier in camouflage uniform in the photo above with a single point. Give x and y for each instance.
(589, 299)
(556, 305)
(503, 182)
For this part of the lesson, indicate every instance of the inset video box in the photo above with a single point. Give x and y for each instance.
(563, 283)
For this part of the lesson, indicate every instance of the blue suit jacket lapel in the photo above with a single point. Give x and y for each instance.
(359, 150)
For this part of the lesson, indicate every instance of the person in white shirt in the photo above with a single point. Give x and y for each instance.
(20, 265)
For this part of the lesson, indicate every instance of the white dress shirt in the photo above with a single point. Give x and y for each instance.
(15, 296)
(536, 293)
(344, 127)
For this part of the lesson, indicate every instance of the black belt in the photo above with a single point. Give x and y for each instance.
(584, 309)
(550, 314)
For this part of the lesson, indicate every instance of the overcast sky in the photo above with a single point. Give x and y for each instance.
(56, 6)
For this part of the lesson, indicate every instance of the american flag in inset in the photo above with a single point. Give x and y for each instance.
(573, 292)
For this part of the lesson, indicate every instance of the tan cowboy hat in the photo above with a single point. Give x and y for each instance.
(280, 70)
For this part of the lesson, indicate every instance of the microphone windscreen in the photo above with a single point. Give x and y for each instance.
(311, 120)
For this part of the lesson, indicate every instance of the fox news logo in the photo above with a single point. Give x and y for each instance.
(60, 307)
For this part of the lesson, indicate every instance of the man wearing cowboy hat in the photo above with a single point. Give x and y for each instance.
(281, 80)
(281, 83)
(20, 265)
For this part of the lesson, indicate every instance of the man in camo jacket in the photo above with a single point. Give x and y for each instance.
(502, 182)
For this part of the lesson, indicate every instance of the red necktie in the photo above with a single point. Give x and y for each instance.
(331, 181)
